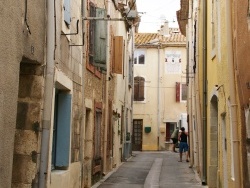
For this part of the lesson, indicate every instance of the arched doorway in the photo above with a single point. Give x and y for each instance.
(213, 142)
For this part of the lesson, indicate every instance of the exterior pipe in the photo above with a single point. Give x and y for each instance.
(107, 91)
(158, 100)
(48, 97)
(204, 104)
(233, 106)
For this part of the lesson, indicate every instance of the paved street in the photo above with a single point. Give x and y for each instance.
(151, 169)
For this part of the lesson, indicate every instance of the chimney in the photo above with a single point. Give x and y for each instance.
(165, 29)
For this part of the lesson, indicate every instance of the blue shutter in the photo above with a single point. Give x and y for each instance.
(100, 39)
(63, 130)
(66, 7)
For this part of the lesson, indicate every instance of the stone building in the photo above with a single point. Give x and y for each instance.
(65, 91)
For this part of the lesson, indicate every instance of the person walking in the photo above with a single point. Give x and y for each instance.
(174, 138)
(183, 146)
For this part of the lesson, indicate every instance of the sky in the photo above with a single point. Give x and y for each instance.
(154, 12)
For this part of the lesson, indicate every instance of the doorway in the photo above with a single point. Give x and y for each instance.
(137, 135)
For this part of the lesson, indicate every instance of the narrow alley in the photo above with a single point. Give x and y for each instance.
(151, 169)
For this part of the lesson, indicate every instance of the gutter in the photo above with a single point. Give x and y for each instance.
(158, 99)
(82, 129)
(233, 106)
(48, 96)
(204, 90)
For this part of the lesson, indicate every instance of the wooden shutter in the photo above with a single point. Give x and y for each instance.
(136, 88)
(178, 85)
(118, 54)
(141, 89)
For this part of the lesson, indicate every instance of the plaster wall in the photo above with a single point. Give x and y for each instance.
(169, 110)
(70, 179)
(147, 109)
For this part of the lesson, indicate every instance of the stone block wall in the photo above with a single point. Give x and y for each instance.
(28, 122)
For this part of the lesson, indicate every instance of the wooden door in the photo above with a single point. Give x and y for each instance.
(137, 135)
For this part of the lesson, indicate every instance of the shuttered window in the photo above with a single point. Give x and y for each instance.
(139, 57)
(139, 83)
(92, 25)
(177, 87)
(118, 54)
(100, 40)
(61, 131)
(181, 92)
(66, 7)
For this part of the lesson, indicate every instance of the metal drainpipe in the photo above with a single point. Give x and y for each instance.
(158, 100)
(233, 105)
(107, 91)
(132, 75)
(204, 104)
(48, 96)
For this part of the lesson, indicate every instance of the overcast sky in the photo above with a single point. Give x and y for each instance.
(154, 12)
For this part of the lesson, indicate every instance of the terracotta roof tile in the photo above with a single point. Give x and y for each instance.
(174, 36)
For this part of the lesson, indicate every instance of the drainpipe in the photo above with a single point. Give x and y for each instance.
(82, 133)
(233, 105)
(107, 91)
(204, 90)
(48, 96)
(132, 75)
(158, 100)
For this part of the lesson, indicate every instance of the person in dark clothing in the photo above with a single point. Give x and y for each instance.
(183, 146)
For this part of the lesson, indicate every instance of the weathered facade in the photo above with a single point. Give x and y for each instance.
(22, 54)
(159, 88)
(66, 109)
(108, 96)
(218, 104)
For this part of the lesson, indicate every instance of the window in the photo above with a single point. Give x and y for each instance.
(61, 130)
(97, 139)
(130, 72)
(181, 92)
(170, 127)
(139, 88)
(118, 49)
(92, 13)
(66, 8)
(97, 41)
(97, 161)
(139, 57)
(213, 22)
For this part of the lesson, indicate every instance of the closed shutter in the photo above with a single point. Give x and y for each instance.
(136, 88)
(118, 54)
(141, 89)
(178, 85)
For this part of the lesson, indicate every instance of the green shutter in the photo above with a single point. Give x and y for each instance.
(100, 39)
